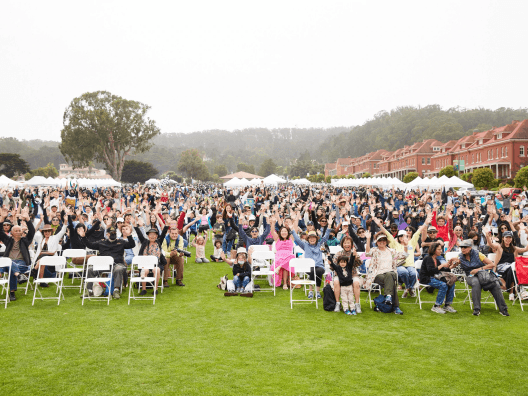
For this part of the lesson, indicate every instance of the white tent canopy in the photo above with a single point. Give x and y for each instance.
(7, 182)
(234, 182)
(273, 179)
(301, 181)
(152, 181)
(39, 181)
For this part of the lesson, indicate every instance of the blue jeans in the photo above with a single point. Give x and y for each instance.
(16, 266)
(239, 282)
(226, 245)
(407, 275)
(443, 289)
(128, 259)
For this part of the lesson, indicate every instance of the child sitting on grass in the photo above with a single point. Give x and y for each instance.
(199, 244)
(216, 257)
(346, 271)
(241, 272)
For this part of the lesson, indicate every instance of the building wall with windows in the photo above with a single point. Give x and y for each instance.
(503, 149)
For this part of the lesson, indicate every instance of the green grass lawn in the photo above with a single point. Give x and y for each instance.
(196, 341)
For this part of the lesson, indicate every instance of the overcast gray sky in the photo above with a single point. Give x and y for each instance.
(236, 64)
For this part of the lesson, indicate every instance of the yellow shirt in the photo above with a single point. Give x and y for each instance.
(410, 249)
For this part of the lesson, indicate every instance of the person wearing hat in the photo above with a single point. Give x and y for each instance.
(506, 253)
(241, 271)
(406, 271)
(312, 250)
(429, 236)
(113, 247)
(17, 248)
(151, 246)
(47, 245)
(471, 263)
(382, 269)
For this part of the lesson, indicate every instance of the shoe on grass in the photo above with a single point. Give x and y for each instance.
(116, 294)
(166, 284)
(22, 279)
(405, 293)
(358, 308)
(398, 311)
(449, 308)
(179, 283)
(347, 312)
(412, 293)
(476, 312)
(337, 307)
(142, 292)
(388, 299)
(504, 313)
(12, 296)
(318, 295)
(310, 295)
(44, 285)
(438, 309)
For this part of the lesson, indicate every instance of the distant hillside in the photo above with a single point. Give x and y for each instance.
(407, 125)
(36, 152)
(251, 146)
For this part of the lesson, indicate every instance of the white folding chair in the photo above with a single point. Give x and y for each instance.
(263, 260)
(518, 284)
(28, 274)
(5, 264)
(420, 287)
(259, 248)
(298, 250)
(335, 249)
(77, 272)
(50, 261)
(140, 263)
(99, 264)
(302, 266)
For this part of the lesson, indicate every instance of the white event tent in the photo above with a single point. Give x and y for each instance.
(7, 182)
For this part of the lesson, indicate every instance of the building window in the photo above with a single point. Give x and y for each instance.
(423, 160)
(499, 135)
(505, 151)
(428, 161)
(521, 151)
(502, 152)
(497, 153)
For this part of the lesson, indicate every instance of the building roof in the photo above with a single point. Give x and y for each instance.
(240, 175)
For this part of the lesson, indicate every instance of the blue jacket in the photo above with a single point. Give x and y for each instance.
(312, 251)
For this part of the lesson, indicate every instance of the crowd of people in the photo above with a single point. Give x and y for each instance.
(388, 239)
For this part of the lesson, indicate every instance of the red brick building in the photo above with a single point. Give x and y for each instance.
(503, 149)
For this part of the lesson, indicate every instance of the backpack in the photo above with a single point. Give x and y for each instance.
(380, 306)
(329, 301)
